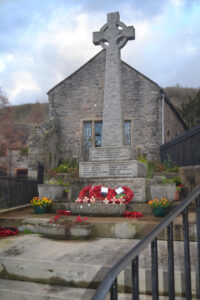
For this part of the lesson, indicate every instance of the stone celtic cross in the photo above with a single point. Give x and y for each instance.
(112, 37)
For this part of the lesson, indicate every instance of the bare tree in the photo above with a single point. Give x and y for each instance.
(10, 137)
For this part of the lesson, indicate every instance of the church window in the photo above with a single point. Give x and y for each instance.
(92, 134)
(87, 135)
(127, 133)
(22, 172)
(98, 134)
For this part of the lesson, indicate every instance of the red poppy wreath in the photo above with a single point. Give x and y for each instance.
(91, 194)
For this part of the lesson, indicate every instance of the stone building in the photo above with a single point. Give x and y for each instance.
(76, 108)
(14, 149)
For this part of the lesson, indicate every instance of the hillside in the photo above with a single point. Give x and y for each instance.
(31, 113)
(180, 95)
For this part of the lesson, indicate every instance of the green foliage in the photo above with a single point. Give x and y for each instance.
(150, 169)
(190, 111)
(179, 95)
(176, 180)
(67, 166)
(142, 158)
(170, 165)
(59, 182)
(24, 151)
(27, 231)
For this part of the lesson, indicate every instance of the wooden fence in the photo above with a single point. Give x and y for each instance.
(184, 150)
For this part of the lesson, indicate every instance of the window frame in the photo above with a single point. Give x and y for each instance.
(97, 120)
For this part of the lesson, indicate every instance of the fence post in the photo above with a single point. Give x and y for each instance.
(40, 173)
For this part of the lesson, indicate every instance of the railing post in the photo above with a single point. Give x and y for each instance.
(135, 279)
(113, 291)
(170, 261)
(197, 201)
(154, 269)
(187, 255)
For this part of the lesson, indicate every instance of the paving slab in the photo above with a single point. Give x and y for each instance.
(84, 264)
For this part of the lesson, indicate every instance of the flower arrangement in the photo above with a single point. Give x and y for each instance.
(92, 194)
(43, 202)
(163, 202)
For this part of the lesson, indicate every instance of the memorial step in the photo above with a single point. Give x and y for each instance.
(84, 264)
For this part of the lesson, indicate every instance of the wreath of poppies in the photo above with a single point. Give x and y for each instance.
(90, 194)
(96, 193)
(6, 231)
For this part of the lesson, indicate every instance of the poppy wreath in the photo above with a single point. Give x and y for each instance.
(6, 231)
(89, 194)
(96, 193)
(128, 194)
(84, 193)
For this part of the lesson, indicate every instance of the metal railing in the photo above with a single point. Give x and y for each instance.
(16, 191)
(109, 283)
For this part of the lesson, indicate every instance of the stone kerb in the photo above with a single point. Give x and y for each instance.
(117, 153)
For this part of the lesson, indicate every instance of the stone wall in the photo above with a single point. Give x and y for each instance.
(80, 98)
(190, 177)
(43, 147)
(14, 160)
(173, 126)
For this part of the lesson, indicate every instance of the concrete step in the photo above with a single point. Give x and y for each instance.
(108, 227)
(21, 290)
(83, 264)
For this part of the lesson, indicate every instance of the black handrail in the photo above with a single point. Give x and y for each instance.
(110, 280)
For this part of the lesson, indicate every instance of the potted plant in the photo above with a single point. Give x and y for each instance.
(40, 204)
(160, 208)
(177, 192)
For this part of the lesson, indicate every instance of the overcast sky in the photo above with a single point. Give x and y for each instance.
(44, 41)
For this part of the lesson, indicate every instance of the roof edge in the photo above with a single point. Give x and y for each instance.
(75, 71)
(174, 110)
(140, 73)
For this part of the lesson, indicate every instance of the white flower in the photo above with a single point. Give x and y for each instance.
(92, 199)
(106, 201)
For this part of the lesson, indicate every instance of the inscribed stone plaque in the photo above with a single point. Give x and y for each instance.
(109, 169)
(118, 153)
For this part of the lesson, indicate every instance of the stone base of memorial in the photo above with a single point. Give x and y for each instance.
(63, 232)
(97, 209)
